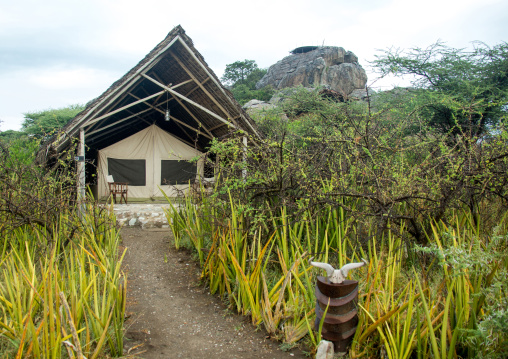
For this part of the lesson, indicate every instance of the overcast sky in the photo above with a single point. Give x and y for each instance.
(54, 53)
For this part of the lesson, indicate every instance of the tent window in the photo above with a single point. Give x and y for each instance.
(173, 172)
(131, 171)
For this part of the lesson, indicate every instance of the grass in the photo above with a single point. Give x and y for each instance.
(61, 300)
(414, 301)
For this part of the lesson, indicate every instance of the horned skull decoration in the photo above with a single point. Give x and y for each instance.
(338, 275)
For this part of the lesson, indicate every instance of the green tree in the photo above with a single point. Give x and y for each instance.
(43, 123)
(241, 77)
(458, 91)
(238, 72)
(11, 135)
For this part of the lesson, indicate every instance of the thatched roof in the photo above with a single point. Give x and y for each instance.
(172, 76)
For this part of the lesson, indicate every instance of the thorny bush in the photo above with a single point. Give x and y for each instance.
(378, 160)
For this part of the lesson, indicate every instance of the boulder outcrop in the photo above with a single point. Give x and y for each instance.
(310, 66)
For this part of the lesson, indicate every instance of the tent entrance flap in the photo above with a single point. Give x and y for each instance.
(177, 172)
(133, 172)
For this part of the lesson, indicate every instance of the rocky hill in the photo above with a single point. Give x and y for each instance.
(310, 66)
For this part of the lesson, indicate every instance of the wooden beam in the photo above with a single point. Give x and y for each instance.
(146, 67)
(134, 115)
(110, 130)
(190, 127)
(181, 84)
(197, 87)
(107, 108)
(124, 108)
(192, 115)
(186, 109)
(214, 80)
(216, 127)
(162, 112)
(96, 125)
(117, 122)
(174, 98)
(178, 121)
(190, 101)
(186, 134)
(182, 65)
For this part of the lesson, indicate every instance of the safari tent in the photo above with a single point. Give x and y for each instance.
(145, 128)
(149, 161)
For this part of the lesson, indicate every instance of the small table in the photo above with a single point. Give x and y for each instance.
(120, 188)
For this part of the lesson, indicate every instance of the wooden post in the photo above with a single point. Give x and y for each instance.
(244, 171)
(81, 165)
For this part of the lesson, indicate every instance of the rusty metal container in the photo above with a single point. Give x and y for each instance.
(341, 318)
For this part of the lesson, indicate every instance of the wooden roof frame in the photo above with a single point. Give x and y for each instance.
(173, 75)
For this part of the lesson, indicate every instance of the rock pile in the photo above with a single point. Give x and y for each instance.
(328, 66)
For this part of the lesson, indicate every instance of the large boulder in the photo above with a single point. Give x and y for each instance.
(310, 66)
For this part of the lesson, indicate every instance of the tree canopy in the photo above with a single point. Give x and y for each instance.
(43, 123)
(459, 91)
(237, 72)
(22, 145)
(241, 77)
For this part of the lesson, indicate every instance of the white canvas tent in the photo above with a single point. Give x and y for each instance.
(173, 88)
(149, 159)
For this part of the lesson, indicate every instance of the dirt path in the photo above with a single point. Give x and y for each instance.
(172, 316)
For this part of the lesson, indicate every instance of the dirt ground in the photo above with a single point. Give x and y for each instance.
(170, 315)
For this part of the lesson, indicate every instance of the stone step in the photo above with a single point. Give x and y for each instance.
(141, 215)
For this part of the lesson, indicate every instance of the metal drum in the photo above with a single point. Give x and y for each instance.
(341, 318)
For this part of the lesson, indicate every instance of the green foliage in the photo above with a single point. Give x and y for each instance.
(11, 135)
(463, 92)
(23, 145)
(243, 93)
(62, 292)
(426, 201)
(32, 194)
(378, 164)
(241, 77)
(21, 150)
(238, 72)
(454, 308)
(43, 123)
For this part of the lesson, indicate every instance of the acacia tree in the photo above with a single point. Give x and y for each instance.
(457, 91)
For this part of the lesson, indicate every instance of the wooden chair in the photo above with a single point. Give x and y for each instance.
(120, 188)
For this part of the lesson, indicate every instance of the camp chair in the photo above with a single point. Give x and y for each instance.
(115, 188)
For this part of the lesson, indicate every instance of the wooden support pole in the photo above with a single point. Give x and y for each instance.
(244, 170)
(81, 166)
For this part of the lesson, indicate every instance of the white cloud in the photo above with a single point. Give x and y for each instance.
(41, 89)
(67, 79)
(121, 33)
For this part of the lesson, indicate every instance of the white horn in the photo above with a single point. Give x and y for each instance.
(328, 268)
(347, 267)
